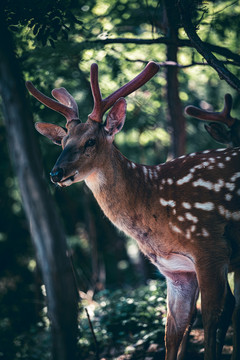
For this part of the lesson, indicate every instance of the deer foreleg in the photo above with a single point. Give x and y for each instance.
(182, 292)
(225, 320)
(236, 317)
(214, 288)
(184, 343)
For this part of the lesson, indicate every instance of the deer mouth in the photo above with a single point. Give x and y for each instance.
(68, 180)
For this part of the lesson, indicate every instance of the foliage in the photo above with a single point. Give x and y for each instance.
(48, 20)
(126, 320)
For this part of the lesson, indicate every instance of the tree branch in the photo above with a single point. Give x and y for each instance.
(161, 40)
(200, 46)
(180, 66)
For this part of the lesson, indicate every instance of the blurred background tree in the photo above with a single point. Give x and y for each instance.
(56, 42)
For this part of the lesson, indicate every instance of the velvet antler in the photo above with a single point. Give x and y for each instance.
(102, 105)
(66, 105)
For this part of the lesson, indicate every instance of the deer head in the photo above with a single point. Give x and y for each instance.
(224, 129)
(86, 145)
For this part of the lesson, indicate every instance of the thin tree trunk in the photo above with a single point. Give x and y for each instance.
(47, 233)
(175, 111)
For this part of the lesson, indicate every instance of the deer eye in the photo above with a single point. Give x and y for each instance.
(90, 142)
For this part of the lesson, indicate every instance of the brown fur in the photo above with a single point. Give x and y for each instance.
(170, 217)
(184, 214)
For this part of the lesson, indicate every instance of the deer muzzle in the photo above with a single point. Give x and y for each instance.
(56, 175)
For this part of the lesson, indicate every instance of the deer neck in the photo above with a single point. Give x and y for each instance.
(111, 181)
(124, 191)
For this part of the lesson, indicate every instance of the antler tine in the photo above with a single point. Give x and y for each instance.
(96, 114)
(101, 106)
(70, 112)
(63, 96)
(150, 70)
(223, 116)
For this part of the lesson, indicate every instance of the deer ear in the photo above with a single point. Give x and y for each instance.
(51, 131)
(116, 117)
(219, 133)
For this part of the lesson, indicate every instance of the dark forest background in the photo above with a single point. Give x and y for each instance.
(53, 43)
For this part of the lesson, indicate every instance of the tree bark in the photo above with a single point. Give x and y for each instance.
(46, 230)
(175, 111)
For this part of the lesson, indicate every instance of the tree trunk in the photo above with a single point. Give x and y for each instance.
(175, 112)
(47, 233)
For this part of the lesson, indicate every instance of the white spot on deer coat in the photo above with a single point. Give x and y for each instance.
(236, 215)
(230, 186)
(235, 176)
(188, 234)
(205, 163)
(185, 179)
(180, 218)
(207, 206)
(186, 205)
(224, 212)
(155, 173)
(205, 233)
(145, 171)
(170, 203)
(150, 174)
(228, 197)
(190, 217)
(221, 165)
(193, 228)
(175, 228)
(203, 183)
(217, 187)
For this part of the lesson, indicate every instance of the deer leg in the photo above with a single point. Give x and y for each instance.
(213, 287)
(183, 346)
(236, 317)
(182, 292)
(225, 320)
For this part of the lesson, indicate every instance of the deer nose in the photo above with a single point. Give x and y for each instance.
(56, 175)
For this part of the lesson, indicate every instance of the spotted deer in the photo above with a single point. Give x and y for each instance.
(224, 129)
(184, 214)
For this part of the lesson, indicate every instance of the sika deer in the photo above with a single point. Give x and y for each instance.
(184, 214)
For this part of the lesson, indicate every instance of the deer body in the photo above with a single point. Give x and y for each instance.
(155, 203)
(184, 214)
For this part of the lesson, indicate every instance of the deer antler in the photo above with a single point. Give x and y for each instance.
(102, 105)
(66, 105)
(222, 117)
